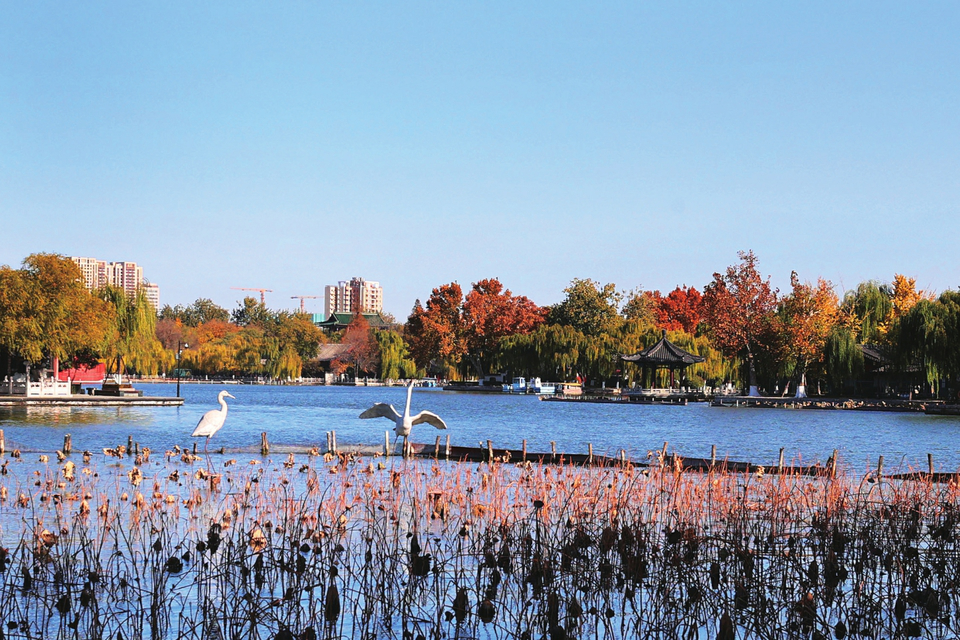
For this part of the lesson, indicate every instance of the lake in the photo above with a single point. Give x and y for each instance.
(302, 415)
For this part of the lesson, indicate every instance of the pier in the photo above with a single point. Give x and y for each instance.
(78, 400)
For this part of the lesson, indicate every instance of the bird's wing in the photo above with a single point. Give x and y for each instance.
(381, 410)
(430, 418)
(209, 424)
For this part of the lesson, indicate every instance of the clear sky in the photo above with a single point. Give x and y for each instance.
(290, 145)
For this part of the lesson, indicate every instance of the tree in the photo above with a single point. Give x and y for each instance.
(870, 309)
(395, 361)
(490, 314)
(680, 310)
(641, 306)
(362, 346)
(738, 307)
(807, 316)
(589, 308)
(251, 312)
(133, 333)
(46, 311)
(455, 329)
(435, 332)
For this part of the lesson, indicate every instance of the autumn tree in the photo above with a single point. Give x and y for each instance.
(491, 313)
(202, 310)
(738, 306)
(680, 310)
(807, 316)
(362, 347)
(457, 329)
(435, 332)
(47, 312)
(869, 309)
(641, 306)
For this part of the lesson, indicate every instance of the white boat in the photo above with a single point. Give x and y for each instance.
(541, 388)
(519, 385)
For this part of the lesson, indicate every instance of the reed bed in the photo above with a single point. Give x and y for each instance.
(326, 547)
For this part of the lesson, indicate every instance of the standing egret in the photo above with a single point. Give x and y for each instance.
(404, 422)
(212, 420)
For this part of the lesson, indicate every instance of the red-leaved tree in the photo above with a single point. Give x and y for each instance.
(739, 307)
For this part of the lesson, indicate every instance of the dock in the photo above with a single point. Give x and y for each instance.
(849, 404)
(78, 400)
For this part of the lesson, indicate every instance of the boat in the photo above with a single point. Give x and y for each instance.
(541, 388)
(519, 385)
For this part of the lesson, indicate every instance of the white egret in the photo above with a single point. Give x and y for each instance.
(404, 422)
(212, 420)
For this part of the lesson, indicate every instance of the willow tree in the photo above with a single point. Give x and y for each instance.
(395, 360)
(132, 342)
(871, 304)
(842, 355)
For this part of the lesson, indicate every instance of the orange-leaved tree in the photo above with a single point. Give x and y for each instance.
(807, 316)
(362, 347)
(456, 329)
(738, 306)
(680, 310)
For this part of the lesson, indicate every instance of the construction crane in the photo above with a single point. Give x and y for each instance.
(302, 298)
(263, 298)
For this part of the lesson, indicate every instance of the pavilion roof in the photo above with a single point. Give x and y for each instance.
(664, 354)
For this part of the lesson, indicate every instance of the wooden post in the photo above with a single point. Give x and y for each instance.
(553, 451)
(623, 456)
(3, 443)
(589, 453)
(489, 451)
(386, 443)
(780, 464)
(194, 448)
(663, 454)
(129, 445)
(833, 464)
(436, 449)
(264, 444)
(447, 454)
(67, 444)
(880, 468)
(524, 451)
(713, 456)
(930, 464)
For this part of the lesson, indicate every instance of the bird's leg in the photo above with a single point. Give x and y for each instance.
(206, 441)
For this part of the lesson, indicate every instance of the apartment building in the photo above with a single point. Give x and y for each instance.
(123, 275)
(353, 296)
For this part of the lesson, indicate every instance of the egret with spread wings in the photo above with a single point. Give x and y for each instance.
(404, 422)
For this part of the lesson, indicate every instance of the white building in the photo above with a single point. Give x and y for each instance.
(123, 275)
(357, 295)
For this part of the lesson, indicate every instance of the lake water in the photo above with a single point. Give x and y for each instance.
(301, 416)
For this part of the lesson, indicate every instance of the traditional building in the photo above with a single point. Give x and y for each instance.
(339, 321)
(662, 355)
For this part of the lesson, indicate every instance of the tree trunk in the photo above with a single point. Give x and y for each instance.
(754, 391)
(802, 386)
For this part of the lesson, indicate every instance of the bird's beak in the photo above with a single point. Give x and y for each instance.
(230, 396)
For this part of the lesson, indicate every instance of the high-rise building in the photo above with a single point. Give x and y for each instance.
(356, 296)
(123, 275)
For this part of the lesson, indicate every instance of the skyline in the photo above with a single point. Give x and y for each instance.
(289, 147)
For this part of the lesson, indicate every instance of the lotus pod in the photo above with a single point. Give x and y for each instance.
(331, 604)
(461, 605)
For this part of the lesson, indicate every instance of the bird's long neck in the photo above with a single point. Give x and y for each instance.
(406, 409)
(223, 404)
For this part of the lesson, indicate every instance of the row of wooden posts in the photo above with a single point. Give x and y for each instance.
(133, 448)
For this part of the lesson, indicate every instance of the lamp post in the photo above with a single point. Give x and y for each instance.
(179, 370)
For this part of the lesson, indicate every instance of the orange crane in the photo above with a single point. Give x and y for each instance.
(302, 298)
(263, 298)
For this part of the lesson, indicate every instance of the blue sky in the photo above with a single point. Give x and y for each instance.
(291, 145)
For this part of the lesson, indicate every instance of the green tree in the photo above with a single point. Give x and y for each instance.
(395, 360)
(132, 343)
(589, 307)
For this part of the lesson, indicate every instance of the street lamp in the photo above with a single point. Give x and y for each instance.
(179, 370)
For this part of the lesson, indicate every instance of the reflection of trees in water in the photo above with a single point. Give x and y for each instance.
(56, 416)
